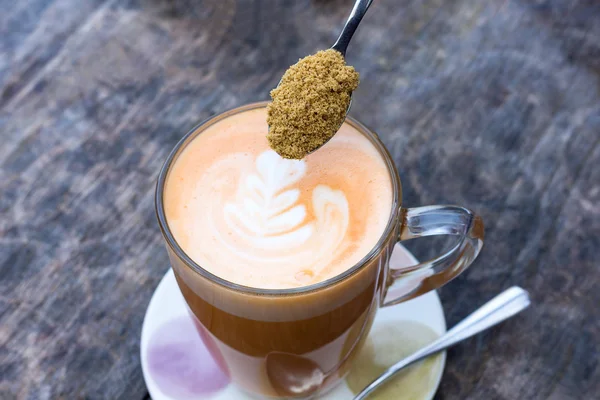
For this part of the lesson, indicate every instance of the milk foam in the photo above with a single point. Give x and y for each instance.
(265, 211)
(244, 213)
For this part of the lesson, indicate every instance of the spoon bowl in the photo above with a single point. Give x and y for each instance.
(341, 44)
(292, 375)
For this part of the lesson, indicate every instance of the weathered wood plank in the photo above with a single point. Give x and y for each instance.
(33, 33)
(494, 105)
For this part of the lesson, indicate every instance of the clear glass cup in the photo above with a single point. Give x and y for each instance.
(299, 343)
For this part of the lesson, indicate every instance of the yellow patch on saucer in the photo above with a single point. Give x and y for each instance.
(387, 344)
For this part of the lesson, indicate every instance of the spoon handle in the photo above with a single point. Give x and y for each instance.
(505, 305)
(358, 12)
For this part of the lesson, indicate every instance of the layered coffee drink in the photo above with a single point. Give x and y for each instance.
(284, 263)
(281, 262)
(245, 214)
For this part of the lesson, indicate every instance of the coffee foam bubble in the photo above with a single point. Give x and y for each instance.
(251, 217)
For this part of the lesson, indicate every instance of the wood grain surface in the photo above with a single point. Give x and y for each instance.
(494, 105)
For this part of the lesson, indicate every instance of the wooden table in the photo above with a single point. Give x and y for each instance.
(490, 104)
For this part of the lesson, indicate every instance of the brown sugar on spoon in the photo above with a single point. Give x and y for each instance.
(310, 103)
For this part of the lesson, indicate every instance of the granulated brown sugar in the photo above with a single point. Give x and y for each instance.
(310, 103)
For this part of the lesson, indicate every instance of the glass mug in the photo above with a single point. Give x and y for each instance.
(300, 342)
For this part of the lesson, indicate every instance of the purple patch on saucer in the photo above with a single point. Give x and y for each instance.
(180, 363)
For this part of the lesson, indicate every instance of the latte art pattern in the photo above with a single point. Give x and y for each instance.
(267, 215)
(242, 212)
(266, 222)
(266, 210)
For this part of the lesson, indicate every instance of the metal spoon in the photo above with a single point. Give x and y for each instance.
(356, 15)
(341, 44)
(292, 375)
(505, 305)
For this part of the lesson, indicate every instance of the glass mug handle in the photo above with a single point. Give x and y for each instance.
(407, 282)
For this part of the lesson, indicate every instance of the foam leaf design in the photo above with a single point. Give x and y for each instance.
(267, 224)
(265, 211)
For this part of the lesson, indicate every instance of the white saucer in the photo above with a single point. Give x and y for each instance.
(177, 366)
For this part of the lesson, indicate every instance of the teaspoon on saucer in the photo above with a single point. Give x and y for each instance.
(294, 376)
(507, 304)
